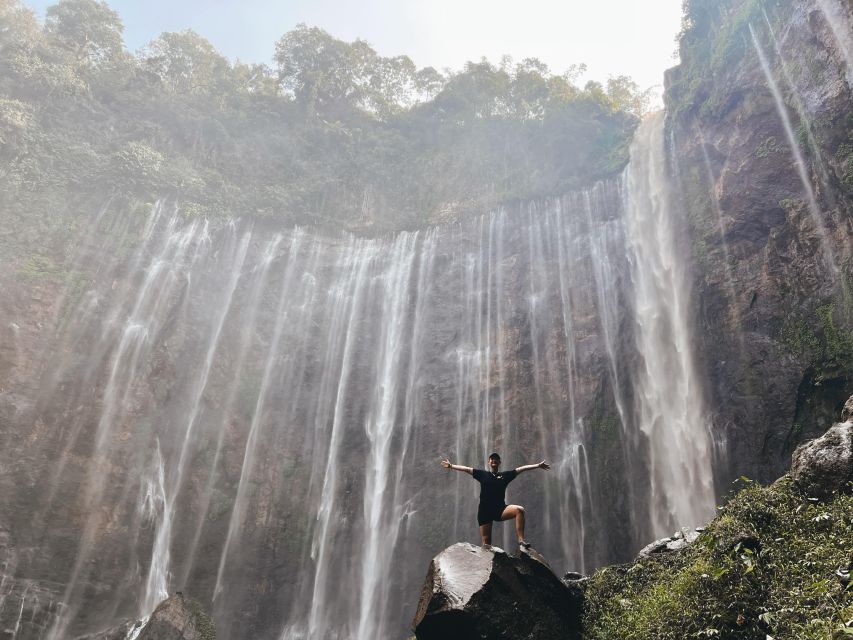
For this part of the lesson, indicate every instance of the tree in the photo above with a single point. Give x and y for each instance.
(330, 77)
(90, 31)
(186, 63)
(627, 96)
(18, 27)
(319, 71)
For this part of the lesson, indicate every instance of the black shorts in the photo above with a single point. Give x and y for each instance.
(489, 513)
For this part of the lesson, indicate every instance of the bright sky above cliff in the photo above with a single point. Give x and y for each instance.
(612, 37)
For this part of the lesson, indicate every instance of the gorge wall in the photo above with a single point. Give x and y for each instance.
(254, 414)
(760, 128)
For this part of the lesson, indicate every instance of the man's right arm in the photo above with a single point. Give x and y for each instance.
(456, 467)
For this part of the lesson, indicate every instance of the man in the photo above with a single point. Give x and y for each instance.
(493, 505)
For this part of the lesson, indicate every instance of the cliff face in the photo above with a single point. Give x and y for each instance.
(255, 414)
(761, 133)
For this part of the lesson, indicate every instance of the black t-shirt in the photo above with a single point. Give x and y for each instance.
(493, 486)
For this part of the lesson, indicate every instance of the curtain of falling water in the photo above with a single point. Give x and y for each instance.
(257, 418)
(669, 399)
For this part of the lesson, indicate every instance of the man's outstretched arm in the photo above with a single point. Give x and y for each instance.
(531, 467)
(456, 467)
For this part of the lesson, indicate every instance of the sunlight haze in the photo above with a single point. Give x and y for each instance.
(612, 37)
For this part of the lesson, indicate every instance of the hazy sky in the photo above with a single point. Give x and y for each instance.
(633, 37)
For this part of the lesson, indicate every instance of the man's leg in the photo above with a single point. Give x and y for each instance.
(486, 534)
(517, 512)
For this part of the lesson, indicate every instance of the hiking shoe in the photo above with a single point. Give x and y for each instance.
(524, 545)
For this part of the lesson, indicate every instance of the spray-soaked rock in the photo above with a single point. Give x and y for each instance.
(122, 631)
(825, 465)
(676, 542)
(478, 593)
(847, 411)
(178, 618)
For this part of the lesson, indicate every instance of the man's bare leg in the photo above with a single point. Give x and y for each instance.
(486, 534)
(517, 512)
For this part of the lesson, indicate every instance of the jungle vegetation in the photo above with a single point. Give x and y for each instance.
(331, 134)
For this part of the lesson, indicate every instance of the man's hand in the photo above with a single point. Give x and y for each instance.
(544, 465)
(446, 464)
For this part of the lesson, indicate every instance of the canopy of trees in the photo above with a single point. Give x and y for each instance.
(334, 134)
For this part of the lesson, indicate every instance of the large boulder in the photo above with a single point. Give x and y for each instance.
(477, 593)
(824, 465)
(178, 618)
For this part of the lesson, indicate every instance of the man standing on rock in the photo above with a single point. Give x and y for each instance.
(493, 505)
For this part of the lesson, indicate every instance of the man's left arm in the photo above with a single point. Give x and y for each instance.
(531, 467)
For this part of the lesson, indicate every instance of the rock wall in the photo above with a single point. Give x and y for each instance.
(770, 212)
(255, 416)
(167, 426)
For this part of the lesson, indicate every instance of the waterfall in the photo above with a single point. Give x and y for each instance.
(840, 23)
(256, 418)
(799, 161)
(669, 398)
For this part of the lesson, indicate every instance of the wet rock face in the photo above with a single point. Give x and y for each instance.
(847, 412)
(768, 301)
(178, 618)
(119, 632)
(825, 465)
(472, 592)
(677, 542)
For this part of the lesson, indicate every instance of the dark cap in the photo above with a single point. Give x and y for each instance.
(494, 454)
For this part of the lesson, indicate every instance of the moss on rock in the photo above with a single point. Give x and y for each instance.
(764, 567)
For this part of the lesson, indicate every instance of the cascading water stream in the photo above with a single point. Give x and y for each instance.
(669, 398)
(839, 20)
(155, 507)
(802, 168)
(140, 331)
(270, 413)
(257, 415)
(160, 569)
(805, 117)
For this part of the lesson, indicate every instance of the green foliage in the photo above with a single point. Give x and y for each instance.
(39, 266)
(837, 342)
(204, 627)
(825, 342)
(185, 63)
(336, 135)
(603, 424)
(723, 586)
(770, 145)
(90, 31)
(714, 36)
(844, 161)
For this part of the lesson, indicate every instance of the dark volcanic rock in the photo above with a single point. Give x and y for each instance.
(472, 592)
(178, 618)
(825, 465)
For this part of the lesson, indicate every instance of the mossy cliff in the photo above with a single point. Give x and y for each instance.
(774, 563)
(764, 567)
(769, 236)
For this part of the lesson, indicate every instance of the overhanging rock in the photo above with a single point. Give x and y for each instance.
(474, 593)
